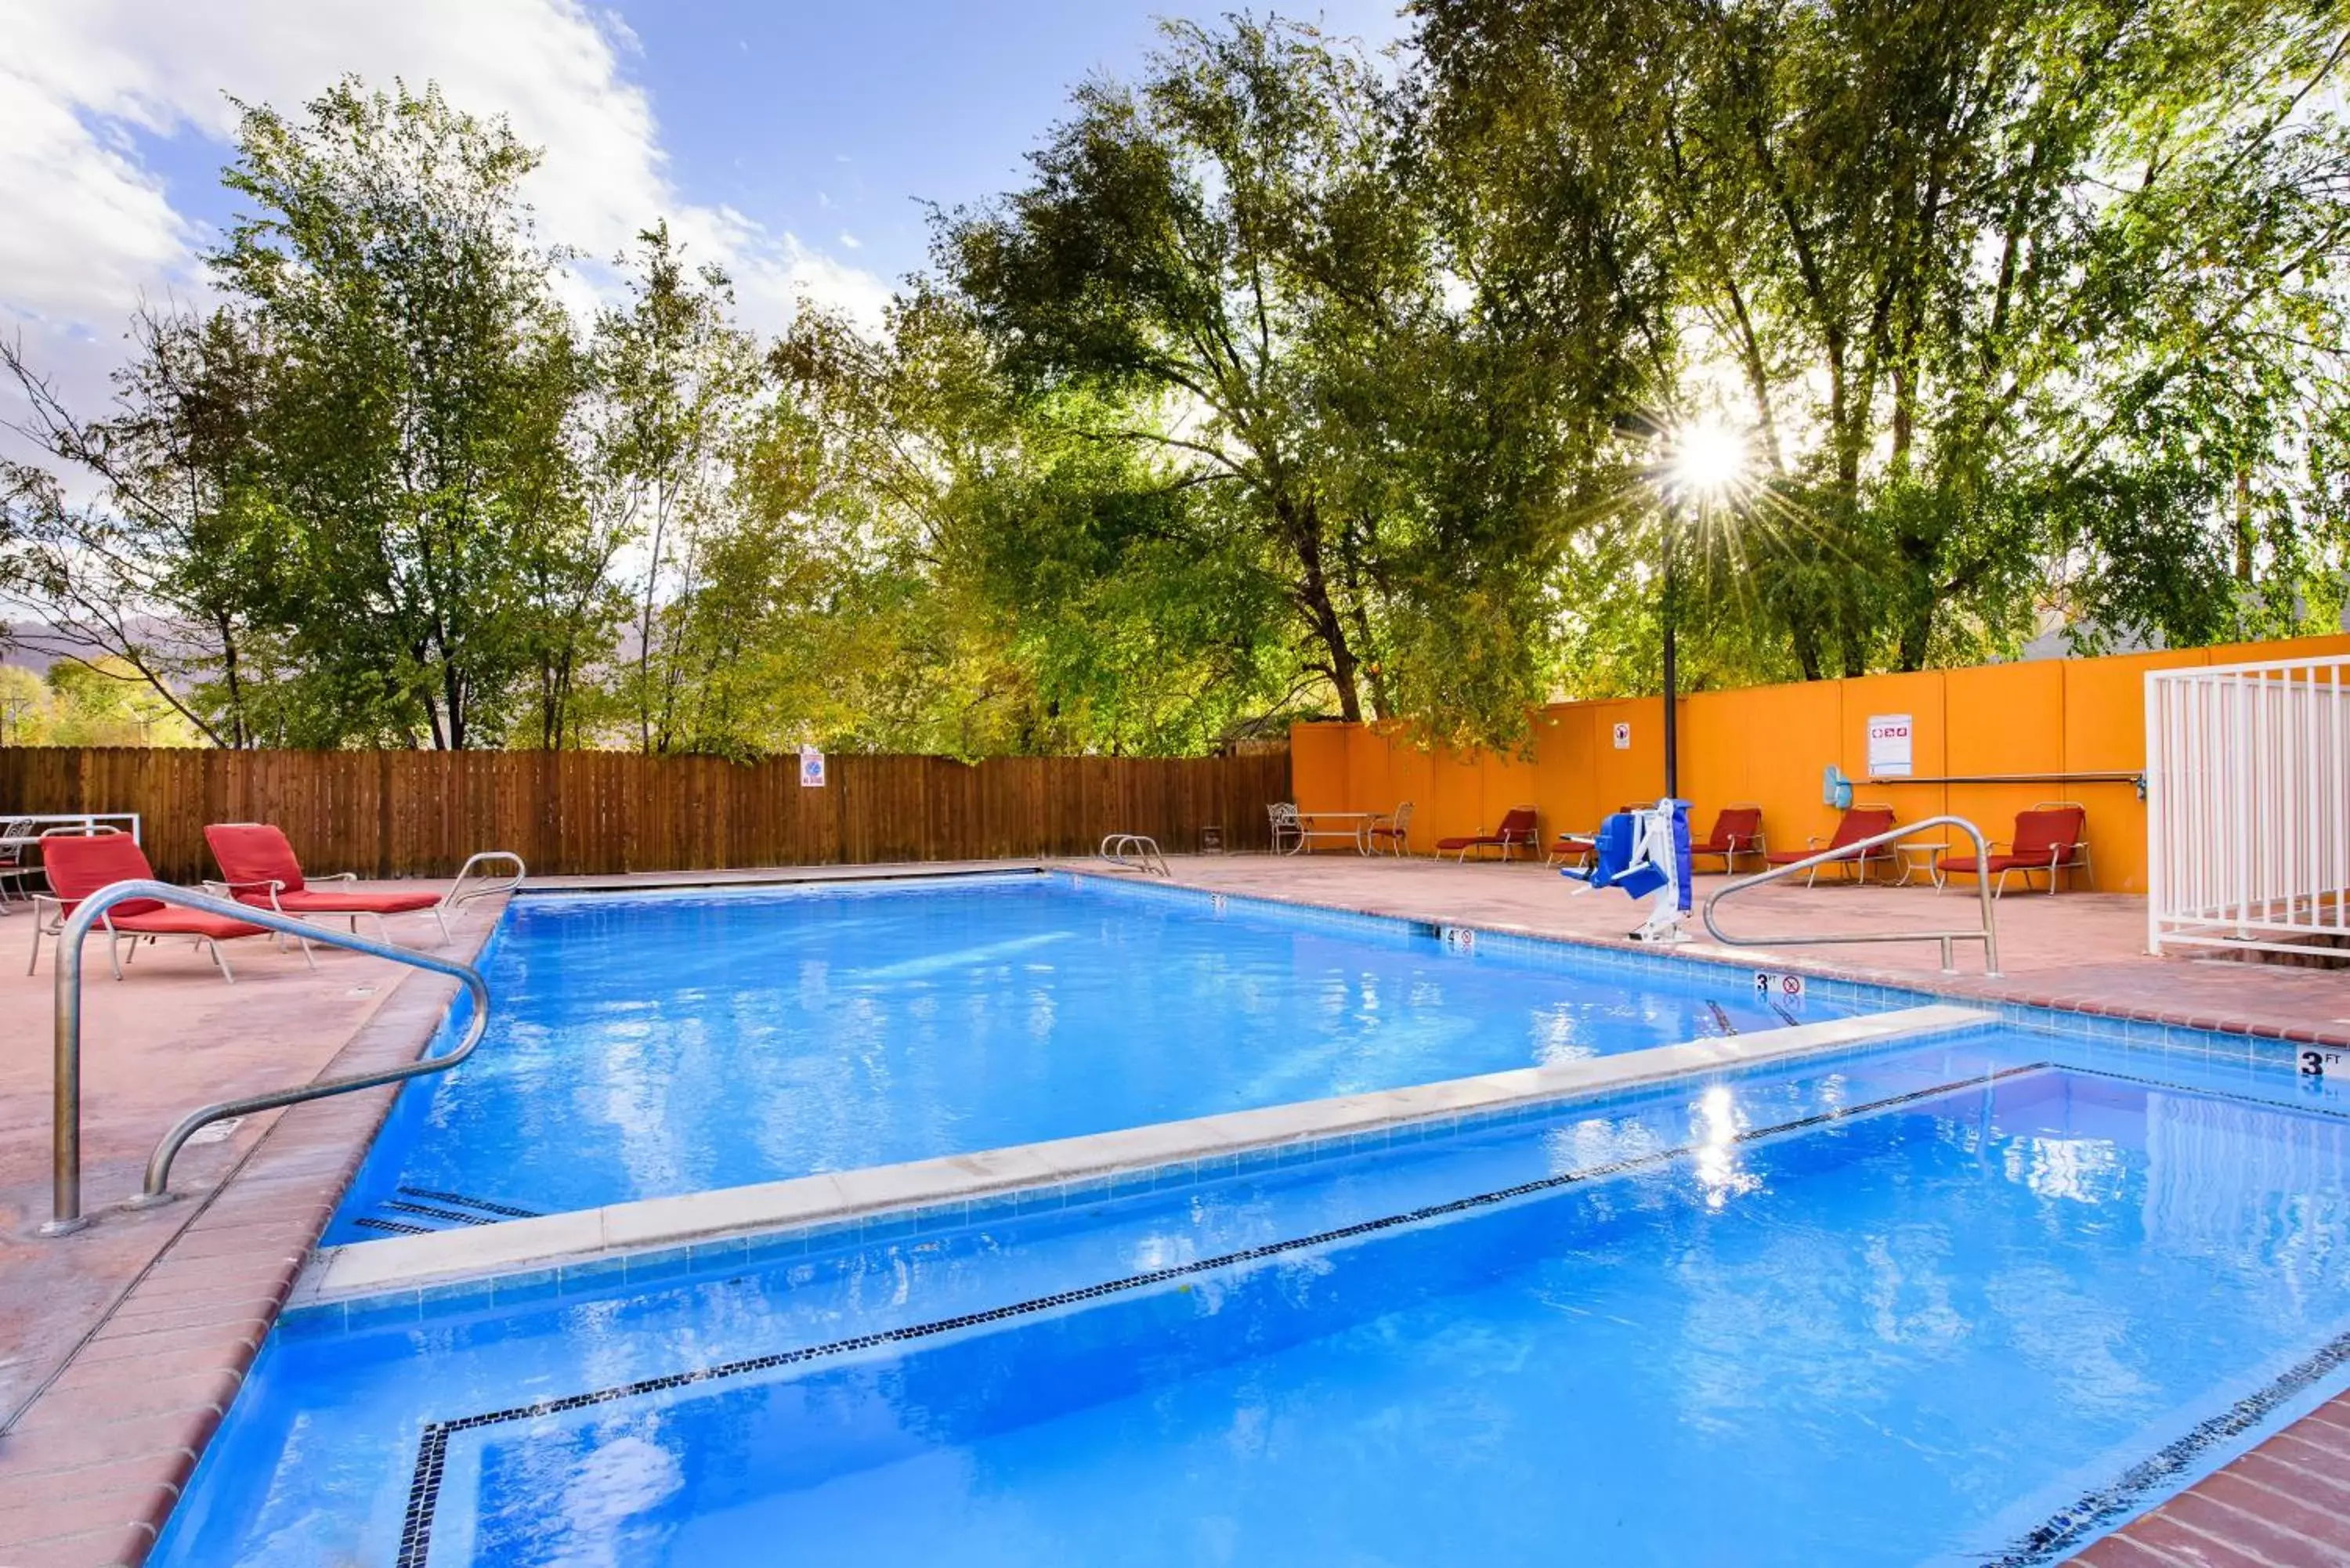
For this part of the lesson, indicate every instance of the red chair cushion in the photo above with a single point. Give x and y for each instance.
(80, 865)
(160, 921)
(254, 852)
(2040, 835)
(1996, 862)
(320, 902)
(1736, 826)
(1861, 822)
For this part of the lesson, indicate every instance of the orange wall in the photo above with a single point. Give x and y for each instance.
(1771, 745)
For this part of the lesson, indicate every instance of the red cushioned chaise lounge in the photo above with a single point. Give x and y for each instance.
(79, 865)
(1516, 832)
(1737, 831)
(2051, 839)
(259, 868)
(1860, 822)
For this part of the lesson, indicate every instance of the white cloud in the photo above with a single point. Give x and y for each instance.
(850, 242)
(90, 228)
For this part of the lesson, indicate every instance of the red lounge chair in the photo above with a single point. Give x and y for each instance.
(258, 867)
(2051, 838)
(1859, 822)
(1737, 831)
(1516, 831)
(79, 865)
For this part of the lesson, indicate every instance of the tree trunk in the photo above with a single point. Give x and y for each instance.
(1320, 612)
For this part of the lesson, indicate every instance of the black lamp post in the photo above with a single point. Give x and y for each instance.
(1670, 610)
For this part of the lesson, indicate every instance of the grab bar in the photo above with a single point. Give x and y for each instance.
(66, 1215)
(1987, 936)
(453, 899)
(1117, 846)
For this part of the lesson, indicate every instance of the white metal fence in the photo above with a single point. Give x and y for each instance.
(2248, 804)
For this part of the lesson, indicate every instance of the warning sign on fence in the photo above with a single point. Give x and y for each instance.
(1889, 737)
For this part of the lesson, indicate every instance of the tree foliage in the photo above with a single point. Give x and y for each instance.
(1288, 379)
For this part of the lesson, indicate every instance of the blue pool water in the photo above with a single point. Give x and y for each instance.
(1931, 1304)
(649, 1045)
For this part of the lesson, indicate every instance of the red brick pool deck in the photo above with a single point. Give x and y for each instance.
(121, 1346)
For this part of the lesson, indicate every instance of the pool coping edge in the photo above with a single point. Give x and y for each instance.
(920, 1194)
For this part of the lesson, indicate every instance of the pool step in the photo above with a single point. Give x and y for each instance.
(425, 1211)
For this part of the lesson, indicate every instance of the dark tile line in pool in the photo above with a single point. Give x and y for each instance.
(433, 1443)
(2124, 1496)
(2202, 1092)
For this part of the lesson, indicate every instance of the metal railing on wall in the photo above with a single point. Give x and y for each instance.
(2248, 805)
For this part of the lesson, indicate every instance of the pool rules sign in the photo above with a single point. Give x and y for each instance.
(1889, 735)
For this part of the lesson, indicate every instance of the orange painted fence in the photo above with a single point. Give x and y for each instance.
(1772, 744)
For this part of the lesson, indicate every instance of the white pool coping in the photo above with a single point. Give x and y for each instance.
(843, 1199)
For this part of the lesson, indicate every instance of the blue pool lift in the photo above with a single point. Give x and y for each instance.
(1645, 855)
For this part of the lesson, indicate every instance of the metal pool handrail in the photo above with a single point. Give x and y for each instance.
(1988, 935)
(453, 899)
(66, 1215)
(1117, 846)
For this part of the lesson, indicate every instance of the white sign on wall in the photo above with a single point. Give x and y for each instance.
(1889, 735)
(811, 768)
(1623, 737)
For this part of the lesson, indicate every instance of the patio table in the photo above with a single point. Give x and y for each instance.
(1356, 831)
(1921, 860)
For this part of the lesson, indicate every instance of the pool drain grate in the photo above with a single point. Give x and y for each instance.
(446, 1210)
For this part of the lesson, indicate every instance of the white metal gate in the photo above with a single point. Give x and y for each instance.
(2248, 804)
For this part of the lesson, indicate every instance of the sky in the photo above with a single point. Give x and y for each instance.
(793, 142)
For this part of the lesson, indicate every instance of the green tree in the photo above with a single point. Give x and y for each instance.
(678, 381)
(105, 702)
(415, 421)
(171, 568)
(1958, 268)
(1230, 259)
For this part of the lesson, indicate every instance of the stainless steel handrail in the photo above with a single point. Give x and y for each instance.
(66, 1215)
(453, 898)
(1987, 936)
(1145, 848)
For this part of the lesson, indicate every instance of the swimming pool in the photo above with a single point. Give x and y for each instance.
(647, 1045)
(1972, 1301)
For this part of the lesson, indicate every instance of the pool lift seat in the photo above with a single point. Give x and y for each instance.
(1644, 853)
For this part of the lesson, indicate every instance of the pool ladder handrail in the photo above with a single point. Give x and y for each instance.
(66, 1215)
(456, 900)
(1117, 846)
(1988, 935)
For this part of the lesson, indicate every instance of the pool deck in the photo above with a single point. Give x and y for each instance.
(121, 1346)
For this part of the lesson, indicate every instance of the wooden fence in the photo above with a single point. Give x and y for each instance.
(412, 813)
